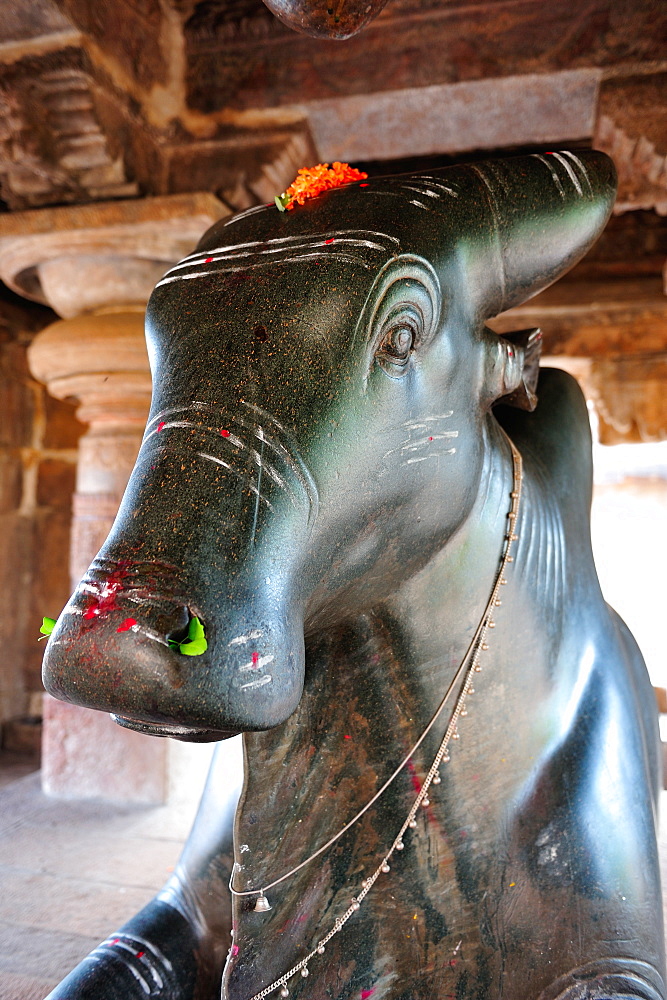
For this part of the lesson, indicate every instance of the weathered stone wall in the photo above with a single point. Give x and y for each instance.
(38, 439)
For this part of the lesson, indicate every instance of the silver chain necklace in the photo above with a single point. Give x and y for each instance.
(469, 666)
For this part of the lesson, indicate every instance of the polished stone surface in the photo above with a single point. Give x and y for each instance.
(342, 343)
(52, 916)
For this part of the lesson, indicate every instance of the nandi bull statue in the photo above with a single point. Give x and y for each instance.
(450, 747)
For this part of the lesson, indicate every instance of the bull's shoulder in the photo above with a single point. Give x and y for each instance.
(556, 439)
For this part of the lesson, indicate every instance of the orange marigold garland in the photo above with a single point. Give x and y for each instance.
(311, 181)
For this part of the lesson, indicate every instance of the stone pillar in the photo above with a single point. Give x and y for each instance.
(96, 266)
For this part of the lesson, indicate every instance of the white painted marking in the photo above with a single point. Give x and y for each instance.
(438, 184)
(159, 982)
(249, 485)
(128, 965)
(438, 416)
(229, 256)
(573, 177)
(290, 242)
(552, 170)
(423, 458)
(180, 423)
(296, 463)
(263, 413)
(419, 190)
(243, 215)
(241, 640)
(282, 245)
(581, 165)
(279, 450)
(173, 423)
(346, 258)
(253, 489)
(266, 679)
(268, 468)
(150, 634)
(276, 446)
(218, 461)
(261, 662)
(155, 950)
(413, 445)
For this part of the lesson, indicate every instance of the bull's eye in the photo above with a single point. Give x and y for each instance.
(398, 342)
(396, 347)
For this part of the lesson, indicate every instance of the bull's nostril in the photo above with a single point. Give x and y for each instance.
(176, 638)
(181, 623)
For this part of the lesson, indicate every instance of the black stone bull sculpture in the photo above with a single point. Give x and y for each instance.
(325, 487)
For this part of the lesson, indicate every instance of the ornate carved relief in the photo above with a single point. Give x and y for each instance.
(629, 396)
(225, 47)
(642, 170)
(216, 22)
(52, 146)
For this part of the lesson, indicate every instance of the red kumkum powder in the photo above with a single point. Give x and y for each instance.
(126, 625)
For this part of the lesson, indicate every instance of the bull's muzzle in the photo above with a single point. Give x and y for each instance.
(121, 647)
(201, 534)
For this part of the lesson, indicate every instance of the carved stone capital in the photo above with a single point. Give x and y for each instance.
(99, 359)
(85, 257)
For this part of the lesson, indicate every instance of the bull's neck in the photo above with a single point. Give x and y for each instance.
(372, 685)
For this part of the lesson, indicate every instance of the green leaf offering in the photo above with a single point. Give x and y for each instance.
(48, 625)
(195, 644)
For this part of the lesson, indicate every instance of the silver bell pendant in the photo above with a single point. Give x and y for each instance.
(262, 904)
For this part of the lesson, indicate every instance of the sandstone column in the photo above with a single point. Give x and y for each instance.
(96, 266)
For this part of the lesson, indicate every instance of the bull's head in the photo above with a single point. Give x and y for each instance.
(322, 385)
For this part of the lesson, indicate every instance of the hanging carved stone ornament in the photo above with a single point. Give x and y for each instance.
(326, 18)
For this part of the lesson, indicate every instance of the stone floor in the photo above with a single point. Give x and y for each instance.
(72, 872)
(15, 765)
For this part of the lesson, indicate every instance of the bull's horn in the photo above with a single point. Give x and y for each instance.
(548, 209)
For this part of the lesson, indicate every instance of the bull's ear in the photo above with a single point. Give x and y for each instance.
(547, 210)
(512, 364)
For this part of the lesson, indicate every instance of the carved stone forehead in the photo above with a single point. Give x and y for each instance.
(507, 227)
(362, 249)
